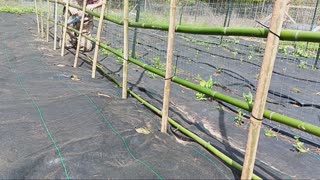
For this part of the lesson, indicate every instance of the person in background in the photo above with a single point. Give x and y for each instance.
(75, 20)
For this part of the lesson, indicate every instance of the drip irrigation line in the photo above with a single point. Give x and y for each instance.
(205, 144)
(292, 100)
(275, 72)
(38, 109)
(273, 128)
(295, 123)
(154, 109)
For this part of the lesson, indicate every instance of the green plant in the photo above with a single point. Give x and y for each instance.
(303, 64)
(235, 53)
(270, 133)
(299, 146)
(239, 118)
(219, 107)
(105, 52)
(156, 63)
(249, 98)
(296, 90)
(198, 77)
(206, 84)
(219, 71)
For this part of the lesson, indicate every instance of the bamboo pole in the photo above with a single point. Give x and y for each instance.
(55, 25)
(285, 35)
(65, 28)
(276, 117)
(168, 77)
(125, 48)
(272, 44)
(182, 129)
(36, 9)
(96, 50)
(75, 65)
(48, 18)
(41, 19)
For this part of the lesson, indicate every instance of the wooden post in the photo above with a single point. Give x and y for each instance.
(272, 44)
(36, 9)
(55, 25)
(65, 28)
(125, 48)
(75, 65)
(168, 78)
(48, 18)
(96, 50)
(41, 18)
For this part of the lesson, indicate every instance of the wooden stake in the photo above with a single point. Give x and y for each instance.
(65, 28)
(75, 65)
(55, 25)
(125, 48)
(48, 18)
(96, 50)
(272, 44)
(36, 9)
(41, 18)
(167, 86)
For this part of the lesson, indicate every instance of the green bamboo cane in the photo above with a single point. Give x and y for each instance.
(292, 122)
(182, 129)
(285, 35)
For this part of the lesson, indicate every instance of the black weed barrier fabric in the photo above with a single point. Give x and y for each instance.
(58, 123)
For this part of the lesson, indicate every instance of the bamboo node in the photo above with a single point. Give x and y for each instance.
(296, 35)
(270, 117)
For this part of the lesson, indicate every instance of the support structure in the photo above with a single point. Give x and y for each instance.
(125, 48)
(37, 15)
(168, 77)
(96, 50)
(48, 18)
(41, 19)
(63, 44)
(55, 25)
(133, 53)
(270, 54)
(75, 64)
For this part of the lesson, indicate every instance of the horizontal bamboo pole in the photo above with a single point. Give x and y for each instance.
(295, 123)
(185, 131)
(285, 35)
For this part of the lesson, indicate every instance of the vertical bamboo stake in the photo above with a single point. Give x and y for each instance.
(167, 85)
(65, 28)
(96, 50)
(75, 65)
(272, 44)
(48, 18)
(41, 18)
(125, 47)
(36, 9)
(55, 25)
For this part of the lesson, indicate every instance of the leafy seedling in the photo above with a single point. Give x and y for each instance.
(239, 118)
(206, 84)
(300, 145)
(269, 133)
(296, 90)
